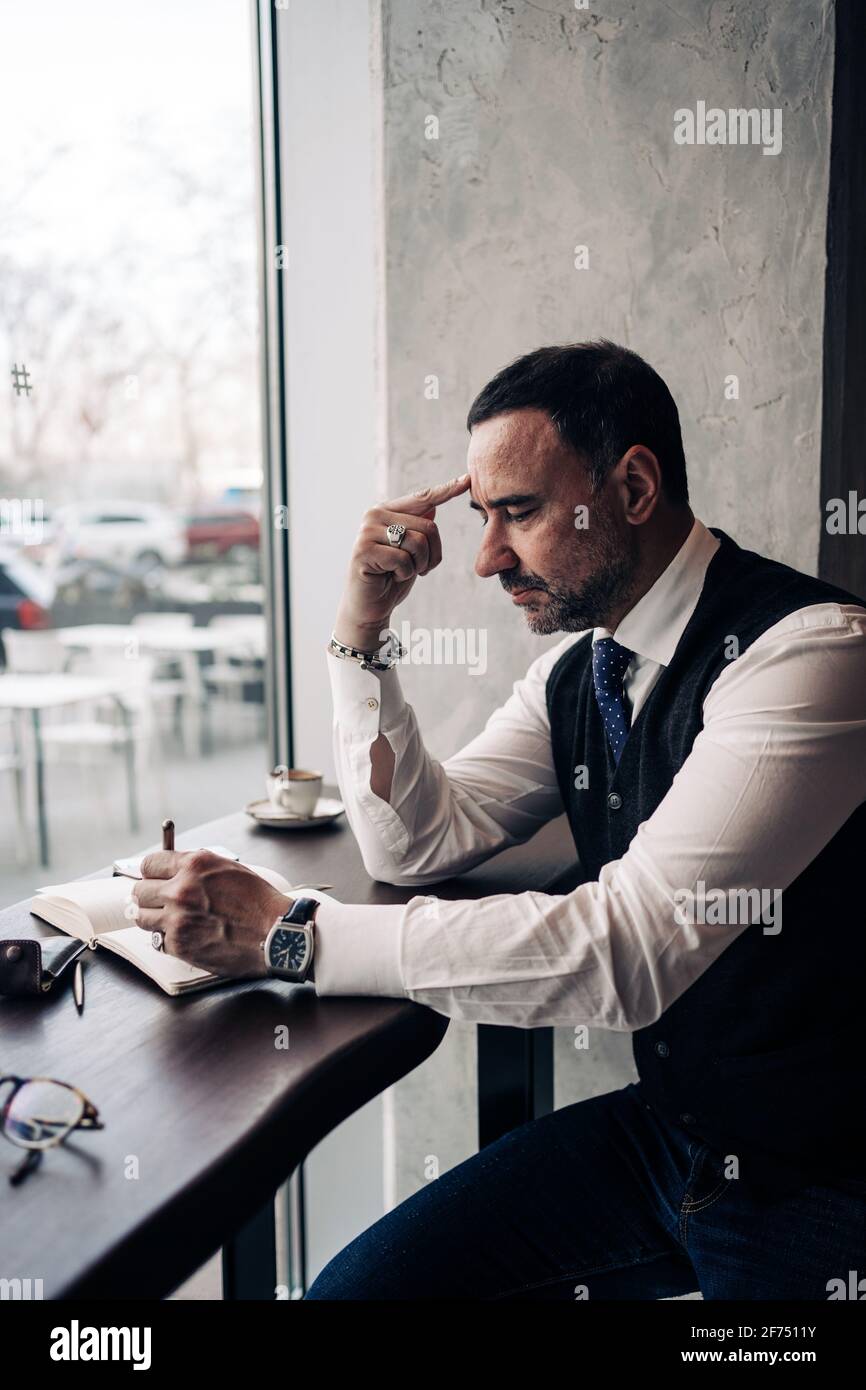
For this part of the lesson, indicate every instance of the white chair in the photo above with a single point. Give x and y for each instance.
(33, 653)
(176, 678)
(251, 625)
(12, 763)
(119, 723)
(241, 665)
(162, 620)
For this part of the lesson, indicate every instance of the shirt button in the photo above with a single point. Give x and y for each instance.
(662, 1049)
(614, 801)
(688, 1119)
(372, 704)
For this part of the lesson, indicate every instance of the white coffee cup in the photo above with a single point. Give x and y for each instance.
(294, 789)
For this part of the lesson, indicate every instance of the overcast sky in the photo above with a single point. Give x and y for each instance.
(79, 72)
(125, 89)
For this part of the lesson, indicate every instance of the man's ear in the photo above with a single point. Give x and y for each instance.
(643, 479)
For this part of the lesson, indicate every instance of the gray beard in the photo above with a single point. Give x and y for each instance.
(609, 588)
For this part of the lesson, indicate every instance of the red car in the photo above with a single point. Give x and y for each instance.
(211, 534)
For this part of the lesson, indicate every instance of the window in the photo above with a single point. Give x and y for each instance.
(129, 309)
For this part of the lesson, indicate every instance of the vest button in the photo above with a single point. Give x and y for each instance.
(688, 1119)
(662, 1049)
(614, 801)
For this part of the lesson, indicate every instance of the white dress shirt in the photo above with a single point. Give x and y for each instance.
(776, 770)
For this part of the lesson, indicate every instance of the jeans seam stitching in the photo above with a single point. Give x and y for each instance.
(705, 1201)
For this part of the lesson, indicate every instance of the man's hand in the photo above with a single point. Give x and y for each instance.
(381, 575)
(212, 912)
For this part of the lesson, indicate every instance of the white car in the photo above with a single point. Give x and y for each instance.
(143, 534)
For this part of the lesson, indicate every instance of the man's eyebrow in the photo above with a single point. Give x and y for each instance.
(514, 499)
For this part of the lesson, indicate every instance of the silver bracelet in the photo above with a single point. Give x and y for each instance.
(368, 661)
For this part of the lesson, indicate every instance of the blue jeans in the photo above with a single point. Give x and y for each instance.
(603, 1199)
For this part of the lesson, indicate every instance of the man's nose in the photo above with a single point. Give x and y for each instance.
(494, 554)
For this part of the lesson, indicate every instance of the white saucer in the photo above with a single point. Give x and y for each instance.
(264, 812)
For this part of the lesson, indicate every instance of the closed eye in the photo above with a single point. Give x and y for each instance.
(510, 516)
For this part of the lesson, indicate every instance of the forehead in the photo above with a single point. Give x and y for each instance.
(520, 448)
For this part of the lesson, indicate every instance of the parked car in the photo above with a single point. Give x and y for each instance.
(94, 590)
(26, 593)
(213, 532)
(140, 534)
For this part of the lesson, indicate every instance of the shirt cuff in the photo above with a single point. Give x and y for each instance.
(357, 949)
(365, 701)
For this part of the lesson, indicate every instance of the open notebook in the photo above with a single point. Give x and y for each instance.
(93, 910)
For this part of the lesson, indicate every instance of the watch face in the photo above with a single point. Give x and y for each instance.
(288, 949)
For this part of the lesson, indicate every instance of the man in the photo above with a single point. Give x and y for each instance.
(703, 724)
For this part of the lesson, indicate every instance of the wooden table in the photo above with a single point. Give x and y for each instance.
(204, 1117)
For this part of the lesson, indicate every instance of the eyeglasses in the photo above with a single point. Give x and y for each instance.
(39, 1113)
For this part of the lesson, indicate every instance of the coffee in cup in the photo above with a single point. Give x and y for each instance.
(294, 789)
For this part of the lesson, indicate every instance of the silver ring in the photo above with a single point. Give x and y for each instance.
(395, 533)
(156, 940)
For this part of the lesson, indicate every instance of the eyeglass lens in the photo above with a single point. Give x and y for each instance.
(41, 1113)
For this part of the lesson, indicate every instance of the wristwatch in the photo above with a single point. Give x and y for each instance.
(290, 943)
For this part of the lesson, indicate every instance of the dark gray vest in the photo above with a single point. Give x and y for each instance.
(761, 1057)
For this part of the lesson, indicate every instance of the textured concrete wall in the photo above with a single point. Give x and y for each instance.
(556, 129)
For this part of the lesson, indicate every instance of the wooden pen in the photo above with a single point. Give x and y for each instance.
(168, 834)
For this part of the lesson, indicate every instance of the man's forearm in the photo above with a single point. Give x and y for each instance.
(362, 636)
(366, 639)
(430, 827)
(382, 768)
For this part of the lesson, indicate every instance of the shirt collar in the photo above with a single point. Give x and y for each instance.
(654, 625)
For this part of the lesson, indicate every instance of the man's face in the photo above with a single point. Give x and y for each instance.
(526, 484)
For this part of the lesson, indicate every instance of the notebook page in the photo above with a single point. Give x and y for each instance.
(99, 902)
(135, 945)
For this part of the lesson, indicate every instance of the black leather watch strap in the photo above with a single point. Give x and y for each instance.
(306, 909)
(302, 911)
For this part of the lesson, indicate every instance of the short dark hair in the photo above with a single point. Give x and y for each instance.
(602, 398)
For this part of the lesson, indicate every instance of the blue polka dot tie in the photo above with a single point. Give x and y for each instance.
(609, 664)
